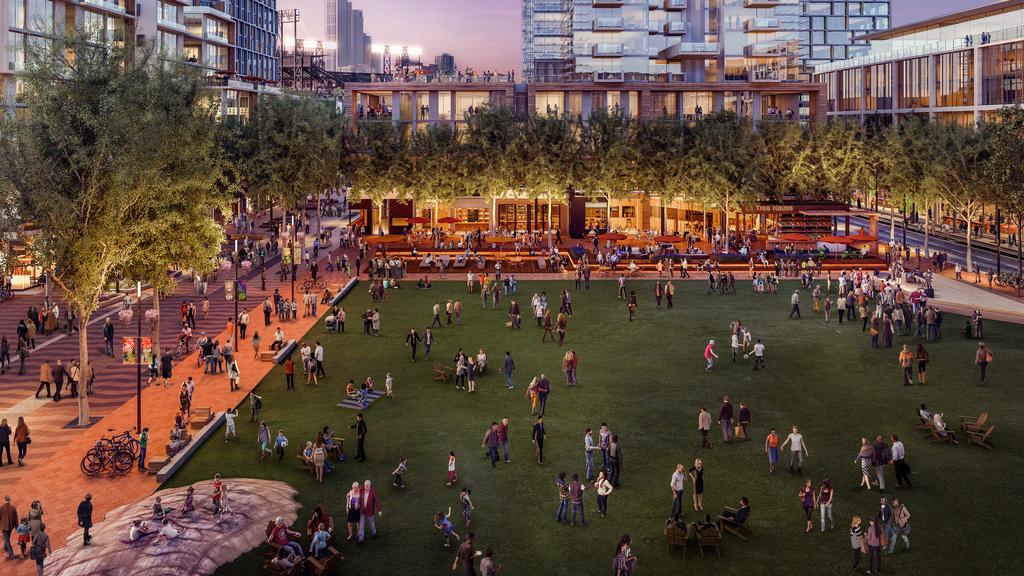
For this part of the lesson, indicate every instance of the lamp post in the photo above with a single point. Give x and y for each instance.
(292, 252)
(999, 245)
(234, 293)
(138, 359)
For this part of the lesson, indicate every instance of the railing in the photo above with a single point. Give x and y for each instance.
(172, 24)
(765, 75)
(675, 4)
(675, 28)
(924, 49)
(548, 7)
(485, 78)
(771, 49)
(603, 76)
(114, 6)
(607, 50)
(768, 3)
(689, 49)
(608, 24)
(216, 35)
(761, 25)
(607, 3)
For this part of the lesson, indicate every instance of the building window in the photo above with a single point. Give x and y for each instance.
(913, 78)
(954, 78)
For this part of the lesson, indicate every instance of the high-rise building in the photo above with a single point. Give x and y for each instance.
(691, 40)
(256, 31)
(445, 63)
(343, 29)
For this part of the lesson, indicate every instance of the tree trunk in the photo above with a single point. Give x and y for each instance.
(83, 360)
(927, 222)
(1020, 270)
(970, 254)
(550, 225)
(319, 214)
(156, 331)
(892, 225)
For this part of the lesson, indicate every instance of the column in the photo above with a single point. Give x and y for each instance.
(932, 94)
(755, 112)
(863, 73)
(893, 92)
(396, 106)
(979, 95)
(587, 104)
(717, 101)
(432, 101)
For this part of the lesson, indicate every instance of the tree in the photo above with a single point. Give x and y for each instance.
(108, 148)
(723, 163)
(957, 161)
(1005, 169)
(657, 153)
(484, 164)
(788, 161)
(604, 164)
(377, 174)
(545, 147)
(904, 158)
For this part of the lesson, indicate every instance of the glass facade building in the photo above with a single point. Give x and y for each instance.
(959, 67)
(256, 30)
(692, 40)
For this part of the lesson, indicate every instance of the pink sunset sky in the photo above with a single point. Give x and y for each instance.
(485, 34)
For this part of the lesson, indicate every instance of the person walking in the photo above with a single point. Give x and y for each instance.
(824, 501)
(108, 337)
(85, 519)
(614, 460)
(678, 486)
(899, 463)
(798, 449)
(40, 547)
(490, 443)
(725, 414)
(771, 448)
(537, 437)
(8, 522)
(5, 442)
(806, 496)
(369, 511)
(921, 355)
(588, 452)
(562, 515)
(906, 360)
(45, 378)
(508, 368)
(704, 426)
(709, 355)
(21, 439)
(413, 339)
(874, 541)
(901, 522)
(604, 488)
(503, 438)
(794, 302)
(360, 428)
(881, 457)
(857, 541)
(982, 357)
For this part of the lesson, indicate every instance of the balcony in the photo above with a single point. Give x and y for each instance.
(674, 5)
(765, 75)
(609, 25)
(654, 27)
(548, 6)
(556, 30)
(761, 25)
(603, 76)
(690, 51)
(216, 36)
(608, 3)
(768, 3)
(655, 4)
(173, 25)
(766, 50)
(674, 28)
(609, 50)
(106, 5)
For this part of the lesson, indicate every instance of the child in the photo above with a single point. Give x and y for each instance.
(467, 507)
(229, 419)
(452, 476)
(389, 385)
(399, 473)
(223, 503)
(442, 523)
(24, 531)
(189, 505)
(159, 511)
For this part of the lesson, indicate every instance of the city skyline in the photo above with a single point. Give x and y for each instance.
(486, 35)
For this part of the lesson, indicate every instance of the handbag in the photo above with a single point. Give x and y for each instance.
(738, 431)
(28, 440)
(864, 545)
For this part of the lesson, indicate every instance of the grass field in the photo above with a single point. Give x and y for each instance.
(646, 379)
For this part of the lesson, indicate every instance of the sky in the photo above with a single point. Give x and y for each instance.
(485, 34)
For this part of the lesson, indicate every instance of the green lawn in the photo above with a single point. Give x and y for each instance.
(646, 379)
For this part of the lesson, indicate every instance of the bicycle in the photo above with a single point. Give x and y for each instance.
(123, 441)
(103, 457)
(6, 294)
(184, 347)
(1009, 279)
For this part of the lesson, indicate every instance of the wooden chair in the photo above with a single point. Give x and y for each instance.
(939, 438)
(922, 423)
(979, 437)
(967, 423)
(305, 464)
(297, 568)
(730, 525)
(710, 538)
(328, 564)
(441, 373)
(676, 536)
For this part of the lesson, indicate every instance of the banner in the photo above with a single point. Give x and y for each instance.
(242, 287)
(128, 352)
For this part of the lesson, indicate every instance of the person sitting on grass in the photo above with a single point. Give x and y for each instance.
(351, 392)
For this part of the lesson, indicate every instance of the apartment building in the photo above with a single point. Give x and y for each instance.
(691, 40)
(960, 67)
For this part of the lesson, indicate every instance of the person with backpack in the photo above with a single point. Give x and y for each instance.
(40, 548)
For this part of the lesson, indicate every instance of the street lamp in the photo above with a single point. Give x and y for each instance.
(292, 252)
(138, 358)
(234, 292)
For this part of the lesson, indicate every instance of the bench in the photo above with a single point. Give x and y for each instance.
(175, 462)
(200, 417)
(441, 372)
(979, 437)
(184, 442)
(279, 356)
(344, 291)
(306, 465)
(922, 423)
(328, 564)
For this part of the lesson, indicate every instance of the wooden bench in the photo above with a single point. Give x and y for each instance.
(200, 417)
(189, 448)
(327, 565)
(285, 351)
(306, 465)
(730, 525)
(441, 372)
(184, 442)
(980, 437)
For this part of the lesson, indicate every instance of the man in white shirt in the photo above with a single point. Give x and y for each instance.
(899, 453)
(795, 301)
(229, 420)
(798, 448)
(318, 356)
(735, 346)
(588, 450)
(758, 354)
(678, 485)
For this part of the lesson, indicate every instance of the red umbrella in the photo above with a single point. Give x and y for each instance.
(612, 236)
(795, 237)
(417, 220)
(861, 237)
(669, 239)
(447, 220)
(833, 239)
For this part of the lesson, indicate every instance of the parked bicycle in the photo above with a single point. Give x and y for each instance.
(1009, 279)
(6, 294)
(123, 441)
(107, 457)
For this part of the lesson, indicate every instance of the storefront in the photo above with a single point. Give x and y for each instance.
(528, 215)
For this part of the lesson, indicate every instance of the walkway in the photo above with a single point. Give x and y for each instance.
(51, 473)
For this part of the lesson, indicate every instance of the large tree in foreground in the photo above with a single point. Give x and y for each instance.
(115, 141)
(1005, 169)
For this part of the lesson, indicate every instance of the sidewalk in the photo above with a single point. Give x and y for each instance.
(961, 297)
(52, 475)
